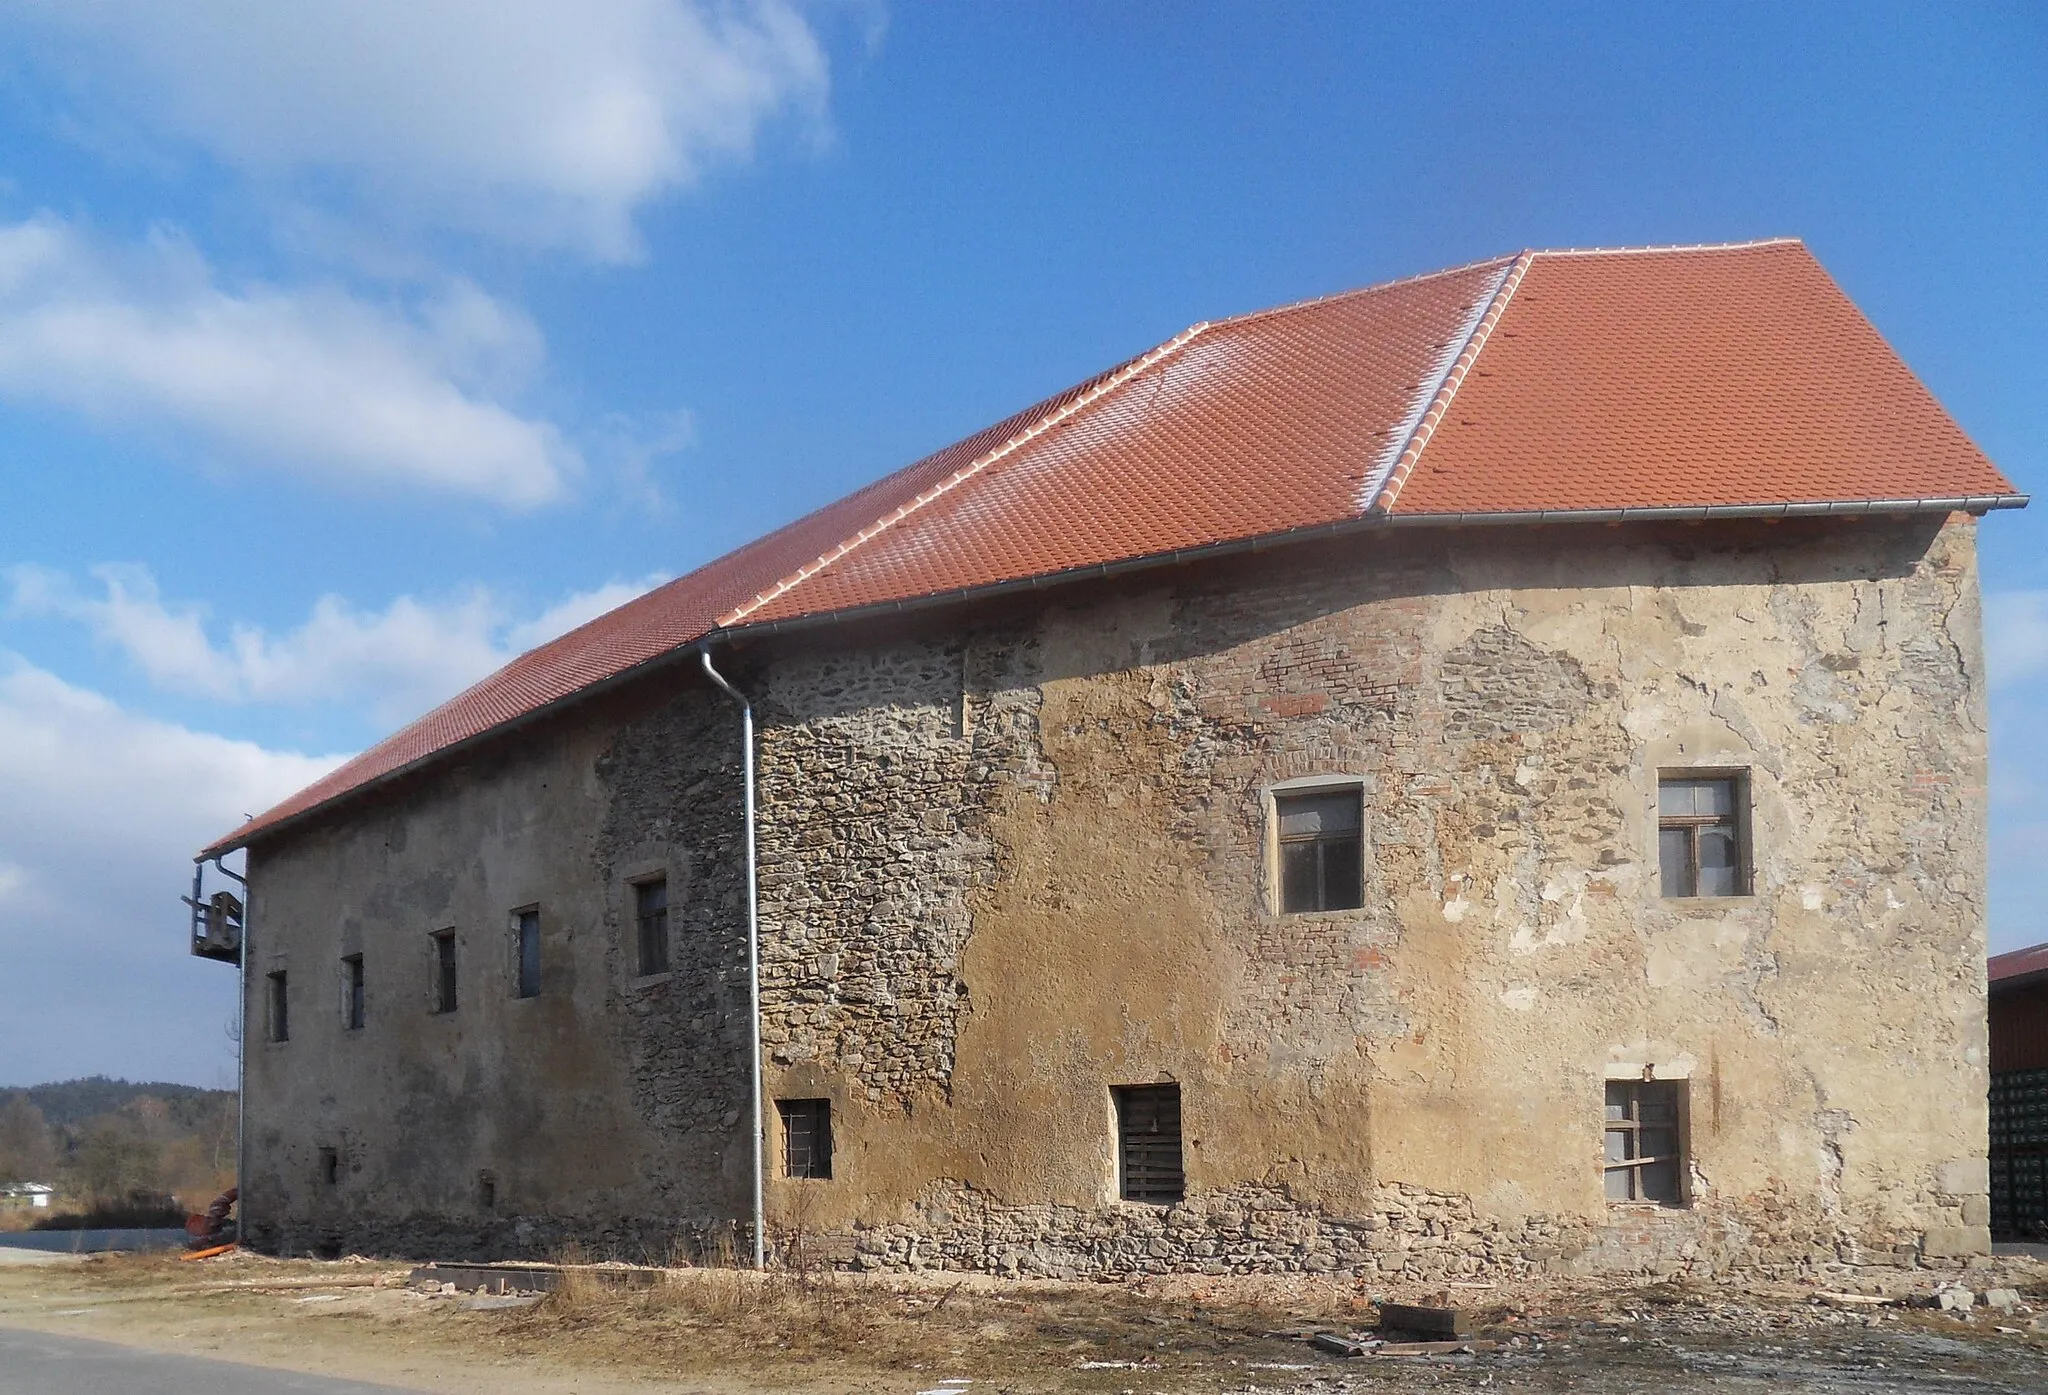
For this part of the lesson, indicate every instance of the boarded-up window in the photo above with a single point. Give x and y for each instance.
(280, 1006)
(352, 992)
(1148, 1143)
(1645, 1161)
(650, 917)
(444, 971)
(527, 929)
(806, 1137)
(1322, 865)
(1700, 836)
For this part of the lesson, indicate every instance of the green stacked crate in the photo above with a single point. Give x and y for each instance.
(2019, 1154)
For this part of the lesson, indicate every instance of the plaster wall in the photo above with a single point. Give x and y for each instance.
(1016, 856)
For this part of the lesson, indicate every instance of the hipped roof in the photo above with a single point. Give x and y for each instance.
(1726, 380)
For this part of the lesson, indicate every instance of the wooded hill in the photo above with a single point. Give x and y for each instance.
(101, 1142)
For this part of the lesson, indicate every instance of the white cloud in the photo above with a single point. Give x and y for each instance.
(104, 810)
(396, 663)
(311, 380)
(543, 121)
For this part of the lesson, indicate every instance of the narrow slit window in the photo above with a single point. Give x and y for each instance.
(1700, 848)
(1645, 1142)
(352, 1003)
(444, 971)
(1148, 1144)
(280, 1008)
(650, 919)
(1322, 862)
(806, 1137)
(487, 1191)
(527, 930)
(330, 1166)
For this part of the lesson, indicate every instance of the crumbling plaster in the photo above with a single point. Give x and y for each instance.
(1016, 855)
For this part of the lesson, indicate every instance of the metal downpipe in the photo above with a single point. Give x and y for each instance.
(753, 947)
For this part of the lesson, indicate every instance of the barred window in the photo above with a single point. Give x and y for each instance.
(1148, 1144)
(806, 1137)
(1644, 1141)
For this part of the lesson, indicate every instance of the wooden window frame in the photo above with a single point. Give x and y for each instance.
(1151, 1162)
(806, 1138)
(1631, 1127)
(1736, 821)
(1351, 896)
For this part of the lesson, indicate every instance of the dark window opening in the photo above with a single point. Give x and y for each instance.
(529, 954)
(1699, 837)
(1645, 1161)
(1322, 863)
(280, 1019)
(1148, 1143)
(352, 991)
(806, 1137)
(487, 1191)
(444, 971)
(650, 915)
(330, 1166)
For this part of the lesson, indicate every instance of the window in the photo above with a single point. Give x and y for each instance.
(280, 1021)
(527, 928)
(650, 916)
(330, 1166)
(1699, 836)
(352, 991)
(806, 1137)
(487, 1190)
(1645, 1161)
(1322, 864)
(444, 971)
(1148, 1143)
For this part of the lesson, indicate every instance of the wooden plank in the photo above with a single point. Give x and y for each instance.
(1433, 1322)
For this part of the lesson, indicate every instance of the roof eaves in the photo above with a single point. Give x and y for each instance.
(1431, 405)
(738, 614)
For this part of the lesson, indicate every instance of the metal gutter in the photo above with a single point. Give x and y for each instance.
(1687, 513)
(753, 946)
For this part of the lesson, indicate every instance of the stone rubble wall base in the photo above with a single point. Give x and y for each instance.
(1413, 1235)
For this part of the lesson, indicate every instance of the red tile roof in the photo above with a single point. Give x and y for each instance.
(1713, 379)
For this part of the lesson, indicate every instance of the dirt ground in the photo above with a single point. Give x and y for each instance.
(723, 1333)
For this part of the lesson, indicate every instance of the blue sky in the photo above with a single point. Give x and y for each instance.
(346, 350)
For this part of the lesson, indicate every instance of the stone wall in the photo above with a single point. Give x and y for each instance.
(1014, 856)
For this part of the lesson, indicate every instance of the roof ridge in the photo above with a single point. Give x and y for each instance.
(1652, 248)
(1387, 486)
(1312, 302)
(1109, 384)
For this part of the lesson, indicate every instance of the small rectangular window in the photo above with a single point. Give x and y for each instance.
(1700, 848)
(487, 1190)
(1645, 1144)
(330, 1166)
(1148, 1143)
(527, 928)
(280, 1006)
(650, 917)
(1322, 863)
(444, 971)
(352, 991)
(806, 1137)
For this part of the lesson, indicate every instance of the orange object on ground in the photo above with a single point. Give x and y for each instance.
(206, 1254)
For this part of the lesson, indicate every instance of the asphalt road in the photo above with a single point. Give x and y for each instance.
(35, 1363)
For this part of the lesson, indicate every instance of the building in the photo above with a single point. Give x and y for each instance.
(26, 1195)
(2018, 1014)
(1477, 775)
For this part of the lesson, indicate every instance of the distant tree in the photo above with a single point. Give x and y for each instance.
(28, 1153)
(112, 1160)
